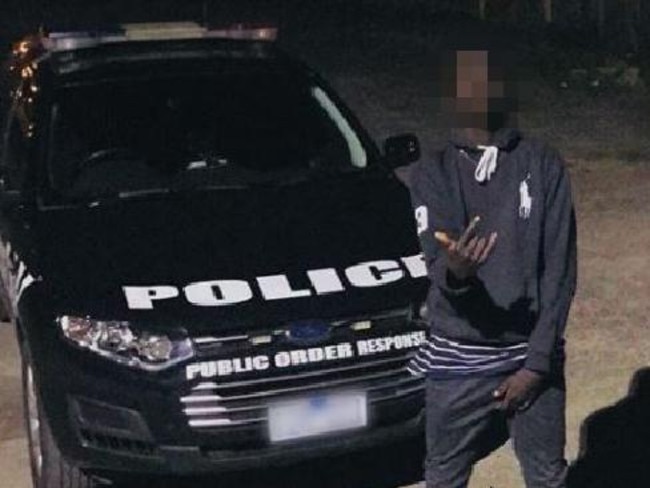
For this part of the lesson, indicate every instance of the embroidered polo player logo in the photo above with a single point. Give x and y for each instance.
(525, 200)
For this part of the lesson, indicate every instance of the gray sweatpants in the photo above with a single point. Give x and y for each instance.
(463, 426)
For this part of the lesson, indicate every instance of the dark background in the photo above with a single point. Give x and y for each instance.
(592, 53)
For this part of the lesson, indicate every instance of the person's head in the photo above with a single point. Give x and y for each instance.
(477, 80)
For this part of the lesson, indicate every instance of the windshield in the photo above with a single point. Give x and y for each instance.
(230, 129)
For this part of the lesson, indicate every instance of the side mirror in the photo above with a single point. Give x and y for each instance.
(402, 149)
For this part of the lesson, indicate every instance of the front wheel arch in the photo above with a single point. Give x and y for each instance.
(51, 469)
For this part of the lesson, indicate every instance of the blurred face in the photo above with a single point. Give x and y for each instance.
(473, 89)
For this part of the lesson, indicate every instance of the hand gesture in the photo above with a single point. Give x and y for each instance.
(469, 252)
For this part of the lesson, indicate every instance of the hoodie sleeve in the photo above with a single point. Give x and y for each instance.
(430, 216)
(558, 271)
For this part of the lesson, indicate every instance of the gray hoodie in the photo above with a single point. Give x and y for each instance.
(523, 292)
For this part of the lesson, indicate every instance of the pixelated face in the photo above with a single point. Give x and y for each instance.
(473, 87)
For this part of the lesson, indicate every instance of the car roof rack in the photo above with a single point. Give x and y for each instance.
(71, 41)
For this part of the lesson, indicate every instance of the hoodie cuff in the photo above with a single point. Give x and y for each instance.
(454, 286)
(538, 362)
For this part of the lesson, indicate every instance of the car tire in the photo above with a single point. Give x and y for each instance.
(48, 466)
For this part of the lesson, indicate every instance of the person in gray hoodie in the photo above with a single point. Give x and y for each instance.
(496, 225)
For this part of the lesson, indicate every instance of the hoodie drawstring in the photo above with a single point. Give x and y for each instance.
(487, 165)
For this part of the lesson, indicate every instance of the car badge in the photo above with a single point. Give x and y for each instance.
(307, 332)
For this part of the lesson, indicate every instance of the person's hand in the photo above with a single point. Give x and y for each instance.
(469, 252)
(518, 391)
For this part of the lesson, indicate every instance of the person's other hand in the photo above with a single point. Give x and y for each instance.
(469, 252)
(518, 391)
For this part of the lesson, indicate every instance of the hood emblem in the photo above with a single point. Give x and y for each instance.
(307, 332)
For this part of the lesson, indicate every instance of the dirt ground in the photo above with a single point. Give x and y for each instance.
(607, 335)
(608, 338)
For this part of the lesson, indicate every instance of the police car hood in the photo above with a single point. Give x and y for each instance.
(277, 253)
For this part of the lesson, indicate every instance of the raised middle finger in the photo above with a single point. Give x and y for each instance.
(478, 249)
(468, 250)
(469, 231)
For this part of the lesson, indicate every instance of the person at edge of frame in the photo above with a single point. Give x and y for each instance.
(496, 225)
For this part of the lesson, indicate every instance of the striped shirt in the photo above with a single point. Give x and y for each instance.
(444, 358)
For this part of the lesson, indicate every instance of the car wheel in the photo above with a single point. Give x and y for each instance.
(49, 468)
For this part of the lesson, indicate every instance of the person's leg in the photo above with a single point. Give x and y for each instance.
(462, 427)
(538, 435)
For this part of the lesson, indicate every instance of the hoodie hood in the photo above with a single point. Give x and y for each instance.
(505, 139)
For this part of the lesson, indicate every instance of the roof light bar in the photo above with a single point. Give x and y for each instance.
(162, 31)
(242, 31)
(69, 41)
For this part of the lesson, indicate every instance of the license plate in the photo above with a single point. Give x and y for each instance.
(317, 415)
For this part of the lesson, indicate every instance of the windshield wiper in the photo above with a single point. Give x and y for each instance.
(104, 155)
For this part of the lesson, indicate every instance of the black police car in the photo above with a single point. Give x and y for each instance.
(209, 264)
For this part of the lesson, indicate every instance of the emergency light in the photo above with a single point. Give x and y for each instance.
(70, 41)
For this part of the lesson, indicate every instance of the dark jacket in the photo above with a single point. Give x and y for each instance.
(523, 292)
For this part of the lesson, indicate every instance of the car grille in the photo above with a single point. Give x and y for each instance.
(346, 329)
(116, 444)
(244, 402)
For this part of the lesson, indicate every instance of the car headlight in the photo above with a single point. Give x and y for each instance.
(125, 344)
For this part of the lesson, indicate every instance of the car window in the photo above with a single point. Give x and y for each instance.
(236, 127)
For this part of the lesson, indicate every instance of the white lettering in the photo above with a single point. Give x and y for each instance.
(277, 287)
(325, 280)
(315, 354)
(301, 357)
(298, 357)
(422, 218)
(362, 348)
(224, 367)
(383, 344)
(218, 293)
(260, 363)
(344, 350)
(282, 359)
(330, 352)
(374, 273)
(415, 265)
(209, 370)
(142, 297)
(192, 371)
(242, 365)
